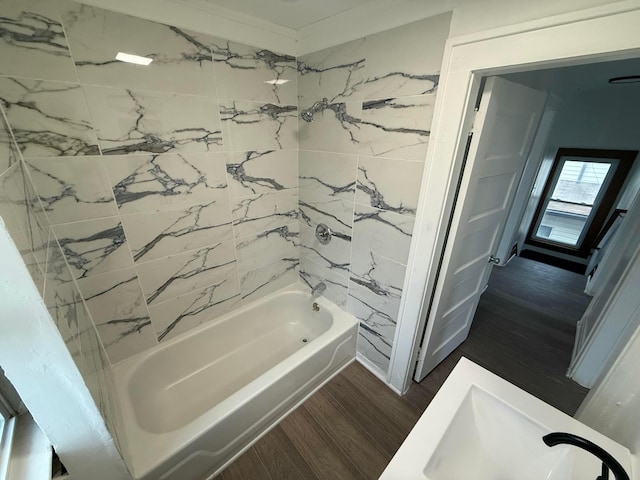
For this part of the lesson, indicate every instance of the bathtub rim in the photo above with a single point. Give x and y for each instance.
(162, 445)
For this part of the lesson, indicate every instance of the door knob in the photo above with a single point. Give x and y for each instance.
(494, 259)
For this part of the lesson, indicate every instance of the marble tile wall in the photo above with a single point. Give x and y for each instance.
(360, 168)
(146, 200)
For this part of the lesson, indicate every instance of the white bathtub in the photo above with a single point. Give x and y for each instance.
(191, 405)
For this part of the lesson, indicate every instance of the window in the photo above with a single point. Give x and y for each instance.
(6, 433)
(10, 405)
(577, 198)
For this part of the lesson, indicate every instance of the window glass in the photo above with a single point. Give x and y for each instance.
(567, 212)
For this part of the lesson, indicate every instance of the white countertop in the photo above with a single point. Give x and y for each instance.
(477, 415)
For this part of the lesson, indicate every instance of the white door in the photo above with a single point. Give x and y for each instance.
(504, 129)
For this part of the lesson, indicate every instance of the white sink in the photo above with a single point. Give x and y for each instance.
(481, 427)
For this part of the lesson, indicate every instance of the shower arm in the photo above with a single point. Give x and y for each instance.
(320, 105)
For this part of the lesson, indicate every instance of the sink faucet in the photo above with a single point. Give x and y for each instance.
(318, 289)
(608, 462)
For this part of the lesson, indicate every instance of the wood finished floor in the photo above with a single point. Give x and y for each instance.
(523, 331)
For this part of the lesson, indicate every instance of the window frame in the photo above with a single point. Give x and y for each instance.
(621, 161)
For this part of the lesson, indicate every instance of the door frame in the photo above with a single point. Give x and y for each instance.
(593, 35)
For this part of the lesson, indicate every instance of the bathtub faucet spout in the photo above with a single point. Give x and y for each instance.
(318, 289)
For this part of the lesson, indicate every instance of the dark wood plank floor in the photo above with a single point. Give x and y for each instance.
(350, 429)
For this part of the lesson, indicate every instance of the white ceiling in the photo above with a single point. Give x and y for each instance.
(581, 78)
(293, 14)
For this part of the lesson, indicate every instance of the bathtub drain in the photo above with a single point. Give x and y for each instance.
(305, 340)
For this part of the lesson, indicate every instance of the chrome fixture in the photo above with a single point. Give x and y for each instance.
(307, 115)
(493, 259)
(316, 307)
(323, 233)
(608, 462)
(318, 290)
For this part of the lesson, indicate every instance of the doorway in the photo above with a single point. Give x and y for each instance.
(563, 41)
(523, 330)
(606, 129)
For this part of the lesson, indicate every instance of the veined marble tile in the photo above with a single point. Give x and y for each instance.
(243, 73)
(37, 236)
(386, 233)
(72, 189)
(132, 121)
(48, 119)
(13, 205)
(389, 184)
(262, 172)
(23, 217)
(176, 275)
(312, 273)
(331, 174)
(98, 378)
(63, 299)
(59, 286)
(23, 243)
(257, 283)
(94, 360)
(8, 149)
(337, 214)
(119, 312)
(377, 312)
(374, 347)
(94, 367)
(94, 246)
(32, 41)
(157, 235)
(336, 129)
(257, 250)
(183, 313)
(109, 411)
(264, 211)
(406, 60)
(147, 183)
(335, 73)
(181, 59)
(397, 127)
(335, 256)
(77, 311)
(258, 126)
(377, 274)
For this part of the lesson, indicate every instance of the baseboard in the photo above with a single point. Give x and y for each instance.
(554, 261)
(374, 370)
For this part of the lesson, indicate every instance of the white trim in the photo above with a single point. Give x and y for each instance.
(613, 313)
(586, 36)
(612, 406)
(7, 429)
(614, 325)
(31, 452)
(375, 371)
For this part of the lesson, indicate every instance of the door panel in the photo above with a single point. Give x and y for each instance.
(506, 123)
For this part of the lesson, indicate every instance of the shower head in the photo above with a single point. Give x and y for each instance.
(307, 114)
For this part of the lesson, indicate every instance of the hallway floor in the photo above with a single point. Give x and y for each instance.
(523, 331)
